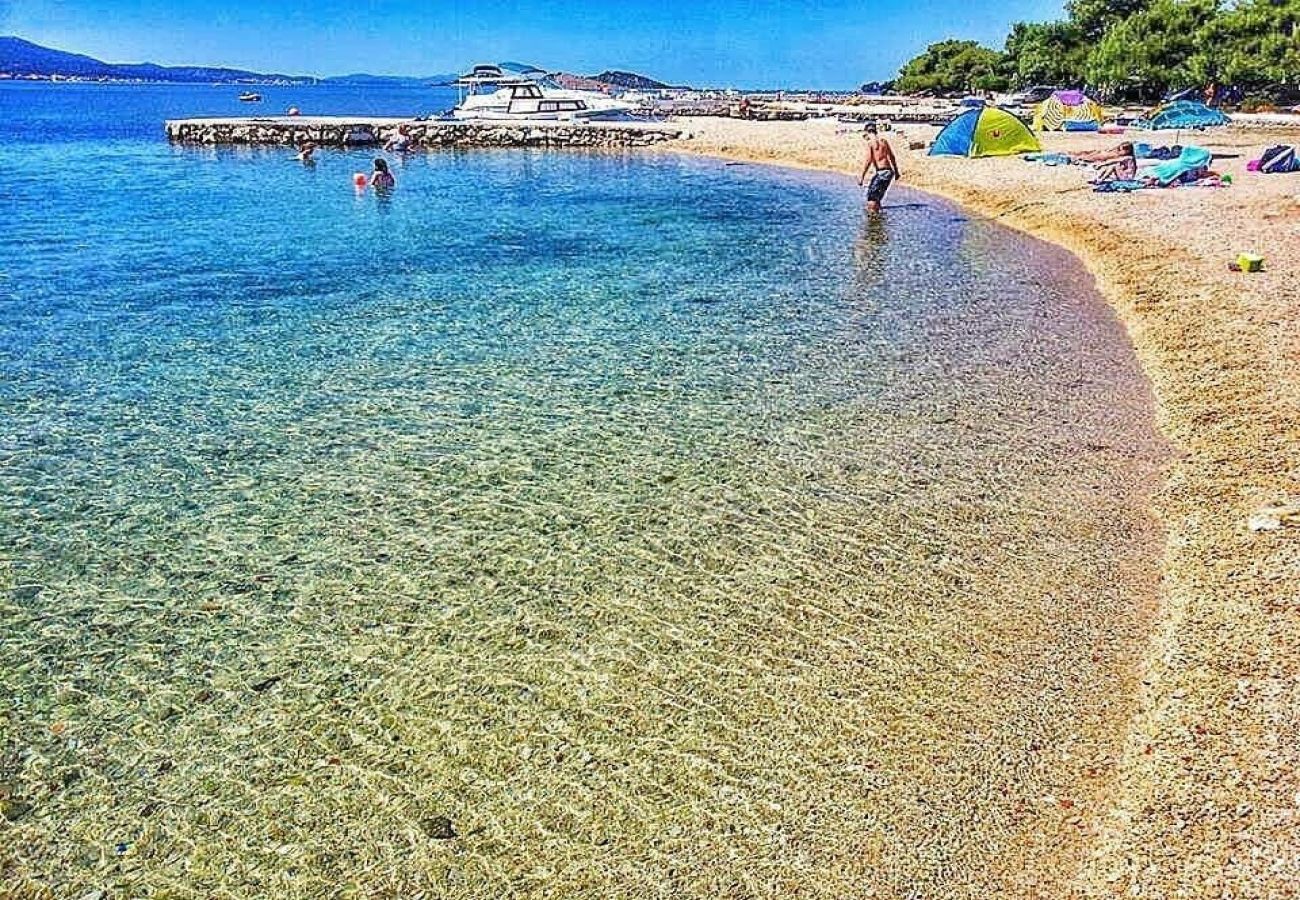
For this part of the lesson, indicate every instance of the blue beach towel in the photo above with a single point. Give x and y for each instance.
(1192, 161)
(1118, 187)
(1049, 159)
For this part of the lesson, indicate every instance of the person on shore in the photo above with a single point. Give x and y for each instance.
(1119, 164)
(306, 154)
(381, 179)
(879, 156)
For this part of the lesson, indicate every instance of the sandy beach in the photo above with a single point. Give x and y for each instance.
(1204, 800)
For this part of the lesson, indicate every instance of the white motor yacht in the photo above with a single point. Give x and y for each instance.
(495, 92)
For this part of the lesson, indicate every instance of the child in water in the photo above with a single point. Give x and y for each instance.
(382, 179)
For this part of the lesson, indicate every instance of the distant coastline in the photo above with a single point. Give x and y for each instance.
(76, 79)
(260, 82)
(23, 60)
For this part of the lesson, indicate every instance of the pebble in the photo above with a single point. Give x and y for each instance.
(1275, 516)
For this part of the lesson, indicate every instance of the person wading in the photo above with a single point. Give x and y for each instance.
(879, 156)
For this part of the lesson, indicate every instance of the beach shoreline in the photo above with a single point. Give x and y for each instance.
(1205, 796)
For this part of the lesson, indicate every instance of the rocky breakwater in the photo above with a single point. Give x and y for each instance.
(292, 131)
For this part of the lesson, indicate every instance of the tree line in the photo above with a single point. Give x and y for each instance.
(1131, 50)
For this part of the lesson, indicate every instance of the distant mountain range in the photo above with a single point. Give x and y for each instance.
(21, 59)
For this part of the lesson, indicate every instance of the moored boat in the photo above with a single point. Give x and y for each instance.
(495, 93)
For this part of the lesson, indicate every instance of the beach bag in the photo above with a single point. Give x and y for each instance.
(1278, 160)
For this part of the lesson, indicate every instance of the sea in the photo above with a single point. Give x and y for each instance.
(558, 524)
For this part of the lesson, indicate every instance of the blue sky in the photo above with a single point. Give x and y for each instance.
(761, 43)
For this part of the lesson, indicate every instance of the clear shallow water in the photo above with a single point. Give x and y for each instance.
(664, 525)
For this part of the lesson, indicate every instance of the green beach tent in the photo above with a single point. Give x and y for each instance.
(991, 131)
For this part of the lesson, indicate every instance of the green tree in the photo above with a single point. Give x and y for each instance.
(1094, 18)
(1161, 47)
(1260, 41)
(1046, 53)
(953, 67)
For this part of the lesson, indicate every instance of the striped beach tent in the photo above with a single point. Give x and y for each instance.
(1068, 111)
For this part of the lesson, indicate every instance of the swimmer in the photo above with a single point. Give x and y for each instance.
(305, 153)
(381, 178)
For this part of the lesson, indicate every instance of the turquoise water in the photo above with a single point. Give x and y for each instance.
(636, 518)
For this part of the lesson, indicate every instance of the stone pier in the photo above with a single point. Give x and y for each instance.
(349, 131)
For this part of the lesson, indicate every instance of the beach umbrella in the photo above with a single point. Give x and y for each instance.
(990, 131)
(1183, 114)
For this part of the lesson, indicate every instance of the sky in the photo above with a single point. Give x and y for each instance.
(827, 44)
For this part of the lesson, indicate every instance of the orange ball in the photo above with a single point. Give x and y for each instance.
(359, 179)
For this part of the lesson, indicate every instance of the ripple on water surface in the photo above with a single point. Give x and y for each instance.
(655, 527)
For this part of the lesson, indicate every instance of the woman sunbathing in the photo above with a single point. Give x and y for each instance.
(1119, 164)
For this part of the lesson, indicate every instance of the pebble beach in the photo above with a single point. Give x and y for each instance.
(1204, 800)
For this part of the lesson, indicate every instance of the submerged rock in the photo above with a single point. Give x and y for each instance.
(14, 808)
(439, 828)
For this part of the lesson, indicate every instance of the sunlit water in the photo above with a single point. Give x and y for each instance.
(655, 526)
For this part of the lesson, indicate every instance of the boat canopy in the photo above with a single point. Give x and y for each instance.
(503, 74)
(524, 70)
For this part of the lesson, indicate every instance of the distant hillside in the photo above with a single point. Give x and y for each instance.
(578, 83)
(23, 59)
(633, 81)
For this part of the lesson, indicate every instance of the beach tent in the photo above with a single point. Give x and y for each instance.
(1183, 114)
(991, 131)
(1068, 111)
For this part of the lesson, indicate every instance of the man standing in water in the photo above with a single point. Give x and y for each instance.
(879, 156)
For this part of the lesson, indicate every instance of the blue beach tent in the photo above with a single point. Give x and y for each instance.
(1183, 114)
(989, 131)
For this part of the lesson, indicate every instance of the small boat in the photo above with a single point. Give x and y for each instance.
(250, 97)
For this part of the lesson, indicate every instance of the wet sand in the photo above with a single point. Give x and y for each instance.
(1205, 800)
